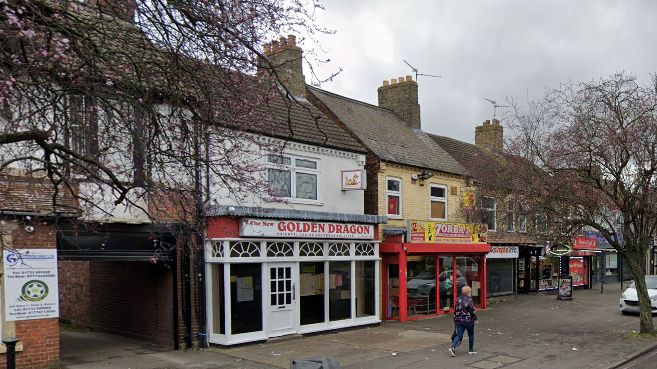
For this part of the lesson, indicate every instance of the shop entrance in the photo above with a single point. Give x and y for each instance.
(283, 299)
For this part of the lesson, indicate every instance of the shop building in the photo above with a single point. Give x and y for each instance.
(428, 253)
(301, 256)
(514, 256)
(290, 272)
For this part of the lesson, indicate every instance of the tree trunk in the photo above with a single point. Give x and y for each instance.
(645, 315)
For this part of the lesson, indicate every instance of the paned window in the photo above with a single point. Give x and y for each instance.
(438, 198)
(489, 212)
(394, 197)
(511, 216)
(293, 177)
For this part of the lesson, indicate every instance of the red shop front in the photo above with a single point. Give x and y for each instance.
(421, 278)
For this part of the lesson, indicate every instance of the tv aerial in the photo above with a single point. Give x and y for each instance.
(417, 72)
(495, 106)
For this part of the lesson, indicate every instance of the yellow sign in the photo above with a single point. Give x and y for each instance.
(468, 200)
(441, 232)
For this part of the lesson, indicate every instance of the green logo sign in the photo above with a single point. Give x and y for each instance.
(34, 290)
(560, 250)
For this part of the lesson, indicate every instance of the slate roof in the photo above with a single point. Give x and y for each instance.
(389, 137)
(308, 125)
(471, 157)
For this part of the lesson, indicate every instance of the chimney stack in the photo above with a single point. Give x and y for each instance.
(490, 136)
(400, 96)
(287, 59)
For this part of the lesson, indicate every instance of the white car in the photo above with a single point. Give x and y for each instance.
(629, 301)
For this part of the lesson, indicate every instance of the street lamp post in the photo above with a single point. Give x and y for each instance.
(11, 351)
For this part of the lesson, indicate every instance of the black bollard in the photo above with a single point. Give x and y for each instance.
(11, 351)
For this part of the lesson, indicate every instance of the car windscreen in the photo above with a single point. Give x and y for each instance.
(651, 283)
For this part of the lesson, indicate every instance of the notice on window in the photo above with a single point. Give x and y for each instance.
(31, 284)
(244, 289)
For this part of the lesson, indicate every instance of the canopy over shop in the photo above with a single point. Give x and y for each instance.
(422, 277)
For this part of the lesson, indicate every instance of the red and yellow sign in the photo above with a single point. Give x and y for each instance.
(440, 232)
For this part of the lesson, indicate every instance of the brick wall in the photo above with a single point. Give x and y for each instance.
(130, 298)
(39, 338)
(415, 197)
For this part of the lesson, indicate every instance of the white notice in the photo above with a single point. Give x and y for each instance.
(31, 286)
(244, 289)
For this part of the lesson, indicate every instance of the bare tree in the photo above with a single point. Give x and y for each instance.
(584, 157)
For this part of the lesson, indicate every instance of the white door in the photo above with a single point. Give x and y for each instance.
(283, 299)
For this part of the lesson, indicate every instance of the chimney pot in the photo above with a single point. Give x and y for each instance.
(401, 79)
(292, 40)
(386, 82)
(283, 41)
(393, 81)
(409, 78)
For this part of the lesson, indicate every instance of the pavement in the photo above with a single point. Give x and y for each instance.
(533, 331)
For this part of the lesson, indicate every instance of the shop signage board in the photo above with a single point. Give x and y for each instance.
(250, 227)
(584, 243)
(559, 250)
(443, 232)
(503, 252)
(31, 285)
(353, 180)
(565, 291)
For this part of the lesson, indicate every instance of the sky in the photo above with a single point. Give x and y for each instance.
(482, 49)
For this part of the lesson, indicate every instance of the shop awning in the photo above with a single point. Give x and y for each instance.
(257, 212)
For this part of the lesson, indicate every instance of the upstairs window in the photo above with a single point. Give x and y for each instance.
(438, 198)
(394, 197)
(293, 177)
(511, 216)
(522, 219)
(489, 212)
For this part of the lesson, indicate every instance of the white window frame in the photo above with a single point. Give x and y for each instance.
(511, 216)
(395, 193)
(438, 199)
(293, 169)
(494, 209)
(522, 219)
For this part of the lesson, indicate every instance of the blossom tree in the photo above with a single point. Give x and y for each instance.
(584, 157)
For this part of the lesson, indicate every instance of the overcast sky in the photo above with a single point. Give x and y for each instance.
(483, 49)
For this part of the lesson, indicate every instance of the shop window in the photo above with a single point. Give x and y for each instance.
(548, 269)
(489, 212)
(421, 285)
(394, 197)
(339, 290)
(244, 249)
(311, 249)
(511, 217)
(338, 249)
(468, 267)
(438, 198)
(280, 249)
(311, 290)
(293, 177)
(218, 312)
(365, 288)
(446, 280)
(246, 297)
(500, 276)
(364, 249)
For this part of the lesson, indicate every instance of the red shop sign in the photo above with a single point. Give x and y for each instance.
(586, 243)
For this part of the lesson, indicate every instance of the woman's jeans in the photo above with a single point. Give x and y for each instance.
(461, 327)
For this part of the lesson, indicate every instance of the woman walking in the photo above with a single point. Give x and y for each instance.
(464, 318)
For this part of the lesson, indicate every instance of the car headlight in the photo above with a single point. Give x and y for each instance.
(623, 296)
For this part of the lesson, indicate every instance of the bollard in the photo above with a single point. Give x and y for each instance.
(11, 351)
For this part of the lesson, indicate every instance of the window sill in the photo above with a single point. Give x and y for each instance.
(389, 216)
(438, 219)
(291, 200)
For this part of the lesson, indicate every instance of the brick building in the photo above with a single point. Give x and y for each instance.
(428, 250)
(28, 221)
